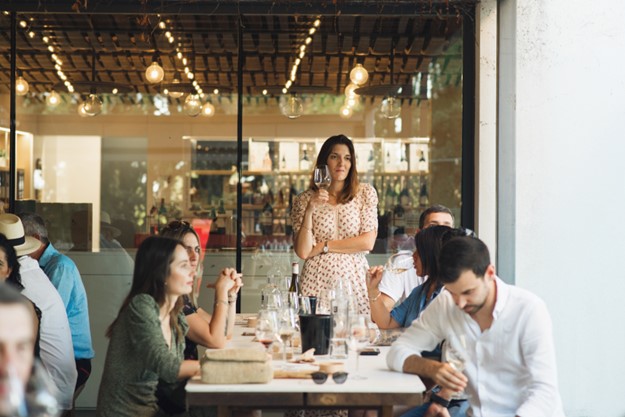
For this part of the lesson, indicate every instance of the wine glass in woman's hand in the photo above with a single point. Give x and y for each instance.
(322, 178)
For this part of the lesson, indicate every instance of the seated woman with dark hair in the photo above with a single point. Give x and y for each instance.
(147, 337)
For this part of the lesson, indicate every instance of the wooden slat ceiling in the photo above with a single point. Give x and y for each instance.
(124, 45)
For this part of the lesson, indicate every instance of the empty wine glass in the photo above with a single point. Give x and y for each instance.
(321, 177)
(399, 263)
(359, 337)
(11, 394)
(267, 327)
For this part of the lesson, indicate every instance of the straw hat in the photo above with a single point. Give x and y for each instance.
(105, 223)
(11, 226)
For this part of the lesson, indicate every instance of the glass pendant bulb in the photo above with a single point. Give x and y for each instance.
(208, 110)
(173, 93)
(192, 105)
(53, 99)
(92, 105)
(81, 110)
(391, 108)
(349, 90)
(293, 107)
(359, 75)
(154, 73)
(346, 112)
(21, 86)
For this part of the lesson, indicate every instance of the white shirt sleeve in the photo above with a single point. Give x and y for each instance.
(424, 334)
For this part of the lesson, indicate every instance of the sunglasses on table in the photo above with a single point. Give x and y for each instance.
(322, 377)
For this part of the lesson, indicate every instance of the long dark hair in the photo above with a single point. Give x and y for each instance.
(15, 279)
(429, 242)
(152, 267)
(351, 182)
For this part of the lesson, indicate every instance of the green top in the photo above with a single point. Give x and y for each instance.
(137, 357)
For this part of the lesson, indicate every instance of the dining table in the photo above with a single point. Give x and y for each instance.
(380, 388)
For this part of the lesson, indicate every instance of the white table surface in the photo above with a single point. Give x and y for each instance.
(379, 379)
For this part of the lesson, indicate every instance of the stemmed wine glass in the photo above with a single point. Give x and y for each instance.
(399, 262)
(287, 327)
(359, 338)
(267, 327)
(321, 177)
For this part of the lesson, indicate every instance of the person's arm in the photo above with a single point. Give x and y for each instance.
(210, 331)
(189, 369)
(380, 307)
(301, 215)
(537, 348)
(424, 334)
(232, 304)
(356, 244)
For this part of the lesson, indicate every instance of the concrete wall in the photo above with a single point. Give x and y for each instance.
(563, 100)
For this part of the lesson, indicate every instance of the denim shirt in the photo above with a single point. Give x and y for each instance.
(65, 277)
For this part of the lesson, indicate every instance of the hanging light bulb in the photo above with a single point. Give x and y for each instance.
(293, 107)
(352, 101)
(391, 108)
(349, 90)
(154, 73)
(359, 75)
(92, 105)
(346, 112)
(208, 110)
(173, 92)
(192, 105)
(81, 110)
(53, 99)
(21, 86)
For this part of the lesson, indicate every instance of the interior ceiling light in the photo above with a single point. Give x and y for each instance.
(21, 86)
(53, 99)
(349, 90)
(346, 112)
(154, 73)
(81, 110)
(208, 110)
(302, 52)
(390, 108)
(92, 105)
(359, 75)
(192, 105)
(173, 93)
(293, 107)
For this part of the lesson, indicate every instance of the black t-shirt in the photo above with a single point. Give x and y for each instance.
(190, 350)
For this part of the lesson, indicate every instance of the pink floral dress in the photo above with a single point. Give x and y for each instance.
(334, 223)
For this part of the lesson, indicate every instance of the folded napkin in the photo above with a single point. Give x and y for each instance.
(236, 366)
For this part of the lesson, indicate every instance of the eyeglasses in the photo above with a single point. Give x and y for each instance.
(322, 377)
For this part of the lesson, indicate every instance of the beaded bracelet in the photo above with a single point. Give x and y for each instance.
(221, 302)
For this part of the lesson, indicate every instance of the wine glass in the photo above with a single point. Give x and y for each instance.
(359, 338)
(321, 177)
(41, 393)
(455, 353)
(287, 327)
(267, 327)
(12, 397)
(399, 263)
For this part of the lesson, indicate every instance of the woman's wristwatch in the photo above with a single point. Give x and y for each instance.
(326, 249)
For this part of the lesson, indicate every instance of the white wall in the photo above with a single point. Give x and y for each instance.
(568, 145)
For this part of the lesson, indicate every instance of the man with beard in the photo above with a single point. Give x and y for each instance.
(497, 334)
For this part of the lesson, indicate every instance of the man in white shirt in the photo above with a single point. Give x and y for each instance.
(501, 334)
(394, 288)
(55, 343)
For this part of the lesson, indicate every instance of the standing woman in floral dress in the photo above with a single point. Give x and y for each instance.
(335, 228)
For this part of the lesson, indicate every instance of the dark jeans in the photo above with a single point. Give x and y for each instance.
(83, 366)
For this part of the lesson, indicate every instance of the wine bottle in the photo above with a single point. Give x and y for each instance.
(304, 163)
(294, 287)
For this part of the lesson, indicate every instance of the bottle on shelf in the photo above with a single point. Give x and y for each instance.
(283, 163)
(371, 161)
(403, 162)
(294, 287)
(304, 163)
(266, 220)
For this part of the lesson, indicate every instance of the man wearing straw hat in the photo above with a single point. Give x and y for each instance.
(57, 353)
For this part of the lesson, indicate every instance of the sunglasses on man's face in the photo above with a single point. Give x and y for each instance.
(322, 377)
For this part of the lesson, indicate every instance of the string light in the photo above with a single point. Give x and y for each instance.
(300, 55)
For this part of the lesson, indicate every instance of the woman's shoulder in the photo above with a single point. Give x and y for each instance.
(303, 196)
(143, 303)
(366, 191)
